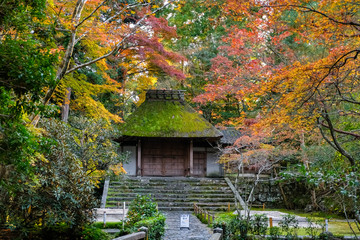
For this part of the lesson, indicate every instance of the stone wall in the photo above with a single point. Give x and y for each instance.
(266, 191)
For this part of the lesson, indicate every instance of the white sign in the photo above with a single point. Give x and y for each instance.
(184, 221)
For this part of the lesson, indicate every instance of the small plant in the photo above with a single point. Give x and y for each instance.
(326, 236)
(156, 226)
(312, 228)
(228, 223)
(202, 218)
(289, 226)
(274, 233)
(259, 224)
(243, 225)
(140, 208)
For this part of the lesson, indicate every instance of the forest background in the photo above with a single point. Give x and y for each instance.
(285, 73)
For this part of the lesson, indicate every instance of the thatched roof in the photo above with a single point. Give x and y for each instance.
(230, 135)
(165, 114)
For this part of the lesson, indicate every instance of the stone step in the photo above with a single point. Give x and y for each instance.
(169, 183)
(211, 209)
(173, 195)
(170, 189)
(168, 179)
(184, 204)
(190, 204)
(177, 200)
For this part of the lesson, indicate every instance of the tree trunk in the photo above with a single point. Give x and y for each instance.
(307, 167)
(288, 205)
(66, 105)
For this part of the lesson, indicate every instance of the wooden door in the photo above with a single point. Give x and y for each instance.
(163, 158)
(199, 167)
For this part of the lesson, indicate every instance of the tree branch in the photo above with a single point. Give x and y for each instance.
(118, 45)
(334, 139)
(314, 11)
(81, 37)
(340, 131)
(91, 14)
(127, 7)
(330, 70)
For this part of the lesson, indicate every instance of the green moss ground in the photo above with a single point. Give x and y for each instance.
(337, 228)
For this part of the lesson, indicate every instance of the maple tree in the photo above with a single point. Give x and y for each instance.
(86, 50)
(296, 61)
(86, 33)
(293, 69)
(200, 26)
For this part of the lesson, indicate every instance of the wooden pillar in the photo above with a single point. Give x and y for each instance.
(138, 160)
(191, 158)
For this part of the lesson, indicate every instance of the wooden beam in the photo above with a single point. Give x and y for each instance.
(191, 158)
(133, 236)
(138, 160)
(237, 195)
(216, 236)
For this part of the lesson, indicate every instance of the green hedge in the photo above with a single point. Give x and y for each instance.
(94, 233)
(156, 226)
(142, 213)
(117, 225)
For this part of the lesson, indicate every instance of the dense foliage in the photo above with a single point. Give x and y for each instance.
(256, 227)
(155, 225)
(143, 212)
(283, 72)
(58, 61)
(142, 207)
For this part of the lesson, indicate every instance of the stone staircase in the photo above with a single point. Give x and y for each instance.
(173, 193)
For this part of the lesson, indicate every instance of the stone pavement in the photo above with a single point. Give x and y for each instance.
(197, 231)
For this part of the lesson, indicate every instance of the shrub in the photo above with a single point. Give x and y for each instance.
(202, 218)
(289, 226)
(156, 226)
(326, 236)
(93, 233)
(237, 227)
(312, 228)
(140, 208)
(259, 224)
(227, 222)
(243, 225)
(274, 233)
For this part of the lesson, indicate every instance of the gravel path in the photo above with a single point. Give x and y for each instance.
(197, 231)
(277, 216)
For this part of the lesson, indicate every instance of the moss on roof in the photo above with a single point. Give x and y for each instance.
(167, 119)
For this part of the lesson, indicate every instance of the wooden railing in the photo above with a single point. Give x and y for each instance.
(259, 205)
(218, 232)
(205, 214)
(142, 234)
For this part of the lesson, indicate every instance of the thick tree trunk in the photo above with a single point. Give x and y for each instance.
(66, 105)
